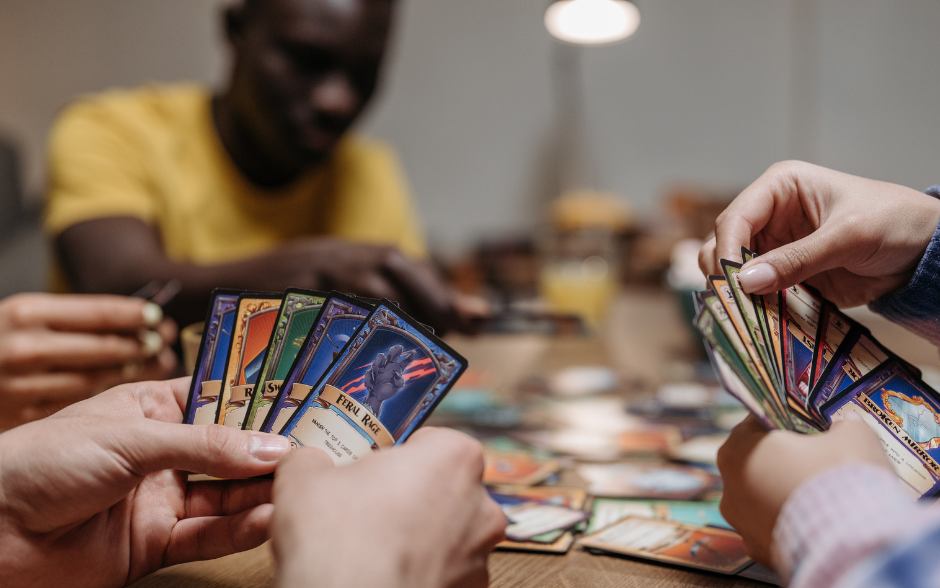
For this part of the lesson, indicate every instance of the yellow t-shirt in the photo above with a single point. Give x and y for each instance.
(154, 154)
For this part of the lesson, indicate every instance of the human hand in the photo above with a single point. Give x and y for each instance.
(852, 238)
(376, 271)
(761, 468)
(58, 349)
(415, 515)
(91, 496)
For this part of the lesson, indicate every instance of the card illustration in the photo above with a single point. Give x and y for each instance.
(210, 362)
(340, 318)
(905, 414)
(299, 311)
(859, 355)
(255, 316)
(379, 389)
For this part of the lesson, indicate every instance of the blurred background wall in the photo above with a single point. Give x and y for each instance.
(707, 91)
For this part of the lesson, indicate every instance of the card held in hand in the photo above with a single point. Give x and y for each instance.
(206, 384)
(378, 390)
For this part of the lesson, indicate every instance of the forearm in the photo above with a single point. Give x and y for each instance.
(917, 306)
(841, 519)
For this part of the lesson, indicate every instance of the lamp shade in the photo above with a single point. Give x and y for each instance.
(592, 22)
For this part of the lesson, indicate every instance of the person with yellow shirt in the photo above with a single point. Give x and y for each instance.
(261, 186)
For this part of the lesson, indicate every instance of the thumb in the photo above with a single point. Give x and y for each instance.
(221, 452)
(793, 263)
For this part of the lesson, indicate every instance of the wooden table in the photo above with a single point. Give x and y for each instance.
(644, 337)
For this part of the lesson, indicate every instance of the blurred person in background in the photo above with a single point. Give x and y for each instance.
(261, 186)
(56, 350)
(828, 510)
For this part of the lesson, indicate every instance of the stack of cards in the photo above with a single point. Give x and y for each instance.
(798, 363)
(343, 374)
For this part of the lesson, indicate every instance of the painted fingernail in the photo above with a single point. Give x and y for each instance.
(151, 343)
(758, 277)
(153, 314)
(269, 447)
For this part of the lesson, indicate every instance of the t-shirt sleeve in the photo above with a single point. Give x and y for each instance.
(372, 201)
(97, 167)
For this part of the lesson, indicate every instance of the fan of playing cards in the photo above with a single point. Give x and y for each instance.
(344, 374)
(798, 363)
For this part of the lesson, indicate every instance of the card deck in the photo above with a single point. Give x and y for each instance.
(299, 310)
(554, 541)
(255, 316)
(206, 384)
(531, 519)
(828, 365)
(671, 542)
(338, 320)
(607, 511)
(378, 390)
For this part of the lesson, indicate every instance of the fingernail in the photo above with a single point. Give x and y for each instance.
(269, 447)
(853, 416)
(153, 314)
(758, 277)
(151, 343)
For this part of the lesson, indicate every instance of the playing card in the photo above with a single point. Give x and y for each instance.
(206, 384)
(750, 318)
(638, 480)
(834, 327)
(553, 541)
(905, 414)
(255, 316)
(800, 329)
(340, 317)
(516, 466)
(769, 324)
(858, 355)
(378, 390)
(299, 310)
(530, 519)
(607, 511)
(705, 548)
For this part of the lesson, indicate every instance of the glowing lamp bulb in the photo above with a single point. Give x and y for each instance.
(592, 22)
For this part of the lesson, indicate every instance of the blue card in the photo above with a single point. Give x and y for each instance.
(858, 355)
(905, 414)
(380, 388)
(340, 317)
(210, 362)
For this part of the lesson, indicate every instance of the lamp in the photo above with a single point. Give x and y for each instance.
(592, 22)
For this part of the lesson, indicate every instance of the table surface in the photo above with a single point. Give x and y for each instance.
(644, 337)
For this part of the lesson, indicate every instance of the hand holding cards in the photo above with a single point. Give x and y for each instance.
(799, 364)
(345, 375)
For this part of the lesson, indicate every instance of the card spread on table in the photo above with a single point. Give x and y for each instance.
(704, 548)
(378, 372)
(823, 365)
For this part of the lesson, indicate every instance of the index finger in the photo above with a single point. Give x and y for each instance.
(749, 213)
(80, 312)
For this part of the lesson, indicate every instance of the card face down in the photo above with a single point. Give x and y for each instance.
(210, 362)
(339, 319)
(299, 310)
(255, 317)
(671, 542)
(379, 389)
(905, 414)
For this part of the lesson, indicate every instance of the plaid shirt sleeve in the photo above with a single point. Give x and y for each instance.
(917, 305)
(846, 517)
